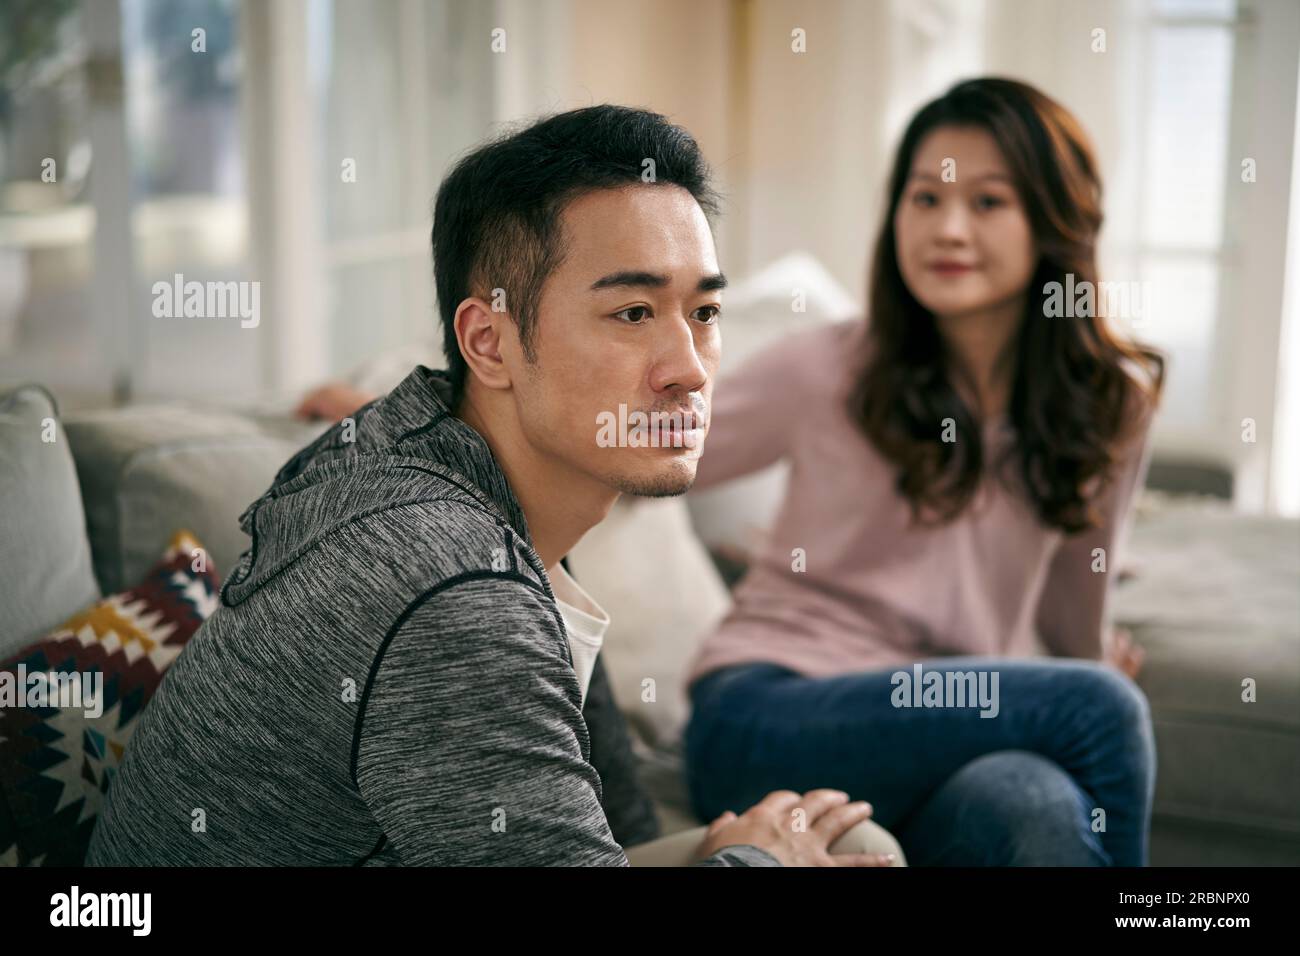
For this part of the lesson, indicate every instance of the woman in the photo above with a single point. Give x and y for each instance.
(962, 467)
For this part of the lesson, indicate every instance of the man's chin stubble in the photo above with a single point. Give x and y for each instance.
(658, 486)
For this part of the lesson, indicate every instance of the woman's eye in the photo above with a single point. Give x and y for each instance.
(924, 198)
(708, 314)
(634, 315)
(989, 202)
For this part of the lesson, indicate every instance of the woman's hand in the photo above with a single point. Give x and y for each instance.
(770, 825)
(1120, 652)
(332, 402)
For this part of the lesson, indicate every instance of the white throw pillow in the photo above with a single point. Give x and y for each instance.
(645, 567)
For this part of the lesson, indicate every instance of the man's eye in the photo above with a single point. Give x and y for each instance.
(635, 315)
(708, 314)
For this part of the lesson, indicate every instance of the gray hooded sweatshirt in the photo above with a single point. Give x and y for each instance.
(387, 682)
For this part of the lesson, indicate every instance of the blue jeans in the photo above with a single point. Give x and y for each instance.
(1062, 775)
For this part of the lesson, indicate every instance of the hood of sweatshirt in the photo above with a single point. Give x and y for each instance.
(404, 448)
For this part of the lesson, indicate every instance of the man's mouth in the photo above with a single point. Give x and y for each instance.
(675, 429)
(683, 421)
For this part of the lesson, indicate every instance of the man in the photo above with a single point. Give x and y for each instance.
(398, 669)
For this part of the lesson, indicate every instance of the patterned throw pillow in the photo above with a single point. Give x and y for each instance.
(69, 703)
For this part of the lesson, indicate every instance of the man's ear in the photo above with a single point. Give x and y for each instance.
(483, 335)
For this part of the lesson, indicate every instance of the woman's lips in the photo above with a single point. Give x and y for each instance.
(951, 268)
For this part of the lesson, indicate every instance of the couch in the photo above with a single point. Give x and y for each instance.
(1212, 596)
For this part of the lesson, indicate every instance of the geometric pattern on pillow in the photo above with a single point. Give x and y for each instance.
(57, 762)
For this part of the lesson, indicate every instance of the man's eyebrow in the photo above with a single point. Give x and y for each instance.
(654, 280)
(631, 277)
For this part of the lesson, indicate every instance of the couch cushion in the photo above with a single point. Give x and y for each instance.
(57, 762)
(1214, 601)
(147, 470)
(43, 549)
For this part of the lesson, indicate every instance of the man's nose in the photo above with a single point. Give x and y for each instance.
(679, 364)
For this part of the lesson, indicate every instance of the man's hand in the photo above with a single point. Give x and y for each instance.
(332, 402)
(1121, 653)
(796, 839)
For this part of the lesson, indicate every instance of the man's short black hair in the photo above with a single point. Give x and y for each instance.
(496, 221)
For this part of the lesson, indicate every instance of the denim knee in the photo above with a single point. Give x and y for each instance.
(1119, 696)
(1117, 705)
(1053, 818)
(1015, 808)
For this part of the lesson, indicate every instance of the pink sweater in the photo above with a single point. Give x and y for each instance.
(877, 593)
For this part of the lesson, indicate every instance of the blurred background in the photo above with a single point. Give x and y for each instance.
(301, 147)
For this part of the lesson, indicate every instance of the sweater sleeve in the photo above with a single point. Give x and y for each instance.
(468, 751)
(627, 806)
(754, 414)
(1073, 607)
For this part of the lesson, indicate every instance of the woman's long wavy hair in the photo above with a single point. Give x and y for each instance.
(1070, 394)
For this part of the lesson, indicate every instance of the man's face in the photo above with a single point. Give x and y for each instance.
(630, 318)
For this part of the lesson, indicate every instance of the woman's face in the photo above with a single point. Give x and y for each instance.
(964, 242)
